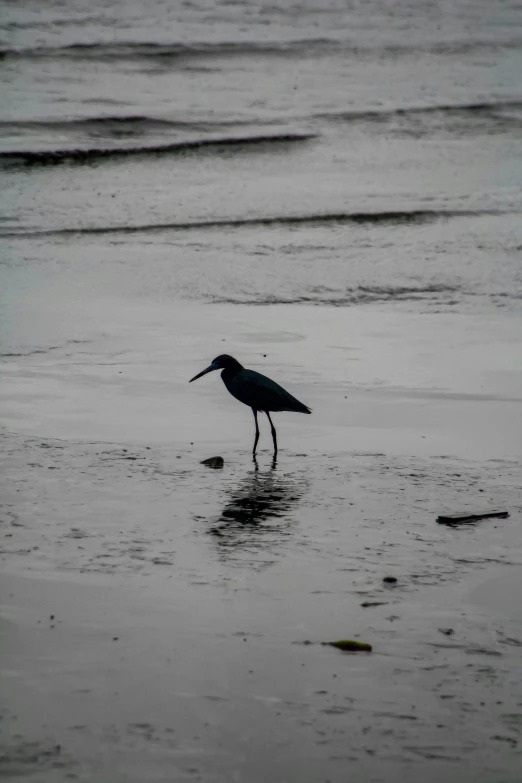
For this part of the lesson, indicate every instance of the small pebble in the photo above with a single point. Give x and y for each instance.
(213, 462)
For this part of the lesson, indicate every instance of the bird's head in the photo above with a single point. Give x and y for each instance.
(222, 362)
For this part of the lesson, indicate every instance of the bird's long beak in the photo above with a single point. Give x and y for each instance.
(199, 375)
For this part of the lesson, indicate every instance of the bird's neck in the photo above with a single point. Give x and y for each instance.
(230, 372)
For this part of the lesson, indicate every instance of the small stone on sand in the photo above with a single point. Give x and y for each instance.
(213, 462)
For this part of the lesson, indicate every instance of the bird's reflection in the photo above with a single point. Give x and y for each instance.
(255, 515)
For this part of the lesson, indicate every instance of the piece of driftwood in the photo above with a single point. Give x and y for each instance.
(349, 645)
(470, 516)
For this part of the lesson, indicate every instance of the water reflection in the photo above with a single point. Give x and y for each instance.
(255, 515)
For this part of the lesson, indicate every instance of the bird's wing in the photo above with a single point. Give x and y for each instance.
(263, 394)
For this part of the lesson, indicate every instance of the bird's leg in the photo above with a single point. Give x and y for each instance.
(274, 434)
(257, 432)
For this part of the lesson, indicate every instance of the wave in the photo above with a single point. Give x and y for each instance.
(93, 154)
(502, 113)
(105, 123)
(494, 117)
(382, 114)
(307, 47)
(125, 50)
(392, 217)
(357, 295)
(54, 22)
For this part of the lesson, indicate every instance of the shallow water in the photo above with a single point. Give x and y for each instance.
(331, 193)
(335, 154)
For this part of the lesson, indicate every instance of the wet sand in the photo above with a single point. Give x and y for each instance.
(156, 613)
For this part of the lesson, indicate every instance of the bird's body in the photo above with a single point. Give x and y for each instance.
(255, 390)
(259, 392)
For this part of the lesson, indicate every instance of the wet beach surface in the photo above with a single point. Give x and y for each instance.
(331, 194)
(157, 613)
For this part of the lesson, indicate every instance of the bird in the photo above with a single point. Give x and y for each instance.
(255, 390)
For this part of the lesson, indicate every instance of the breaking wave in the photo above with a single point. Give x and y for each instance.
(94, 154)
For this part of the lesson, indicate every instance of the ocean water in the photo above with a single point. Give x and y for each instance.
(333, 153)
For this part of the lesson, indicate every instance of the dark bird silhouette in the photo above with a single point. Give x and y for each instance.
(255, 390)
